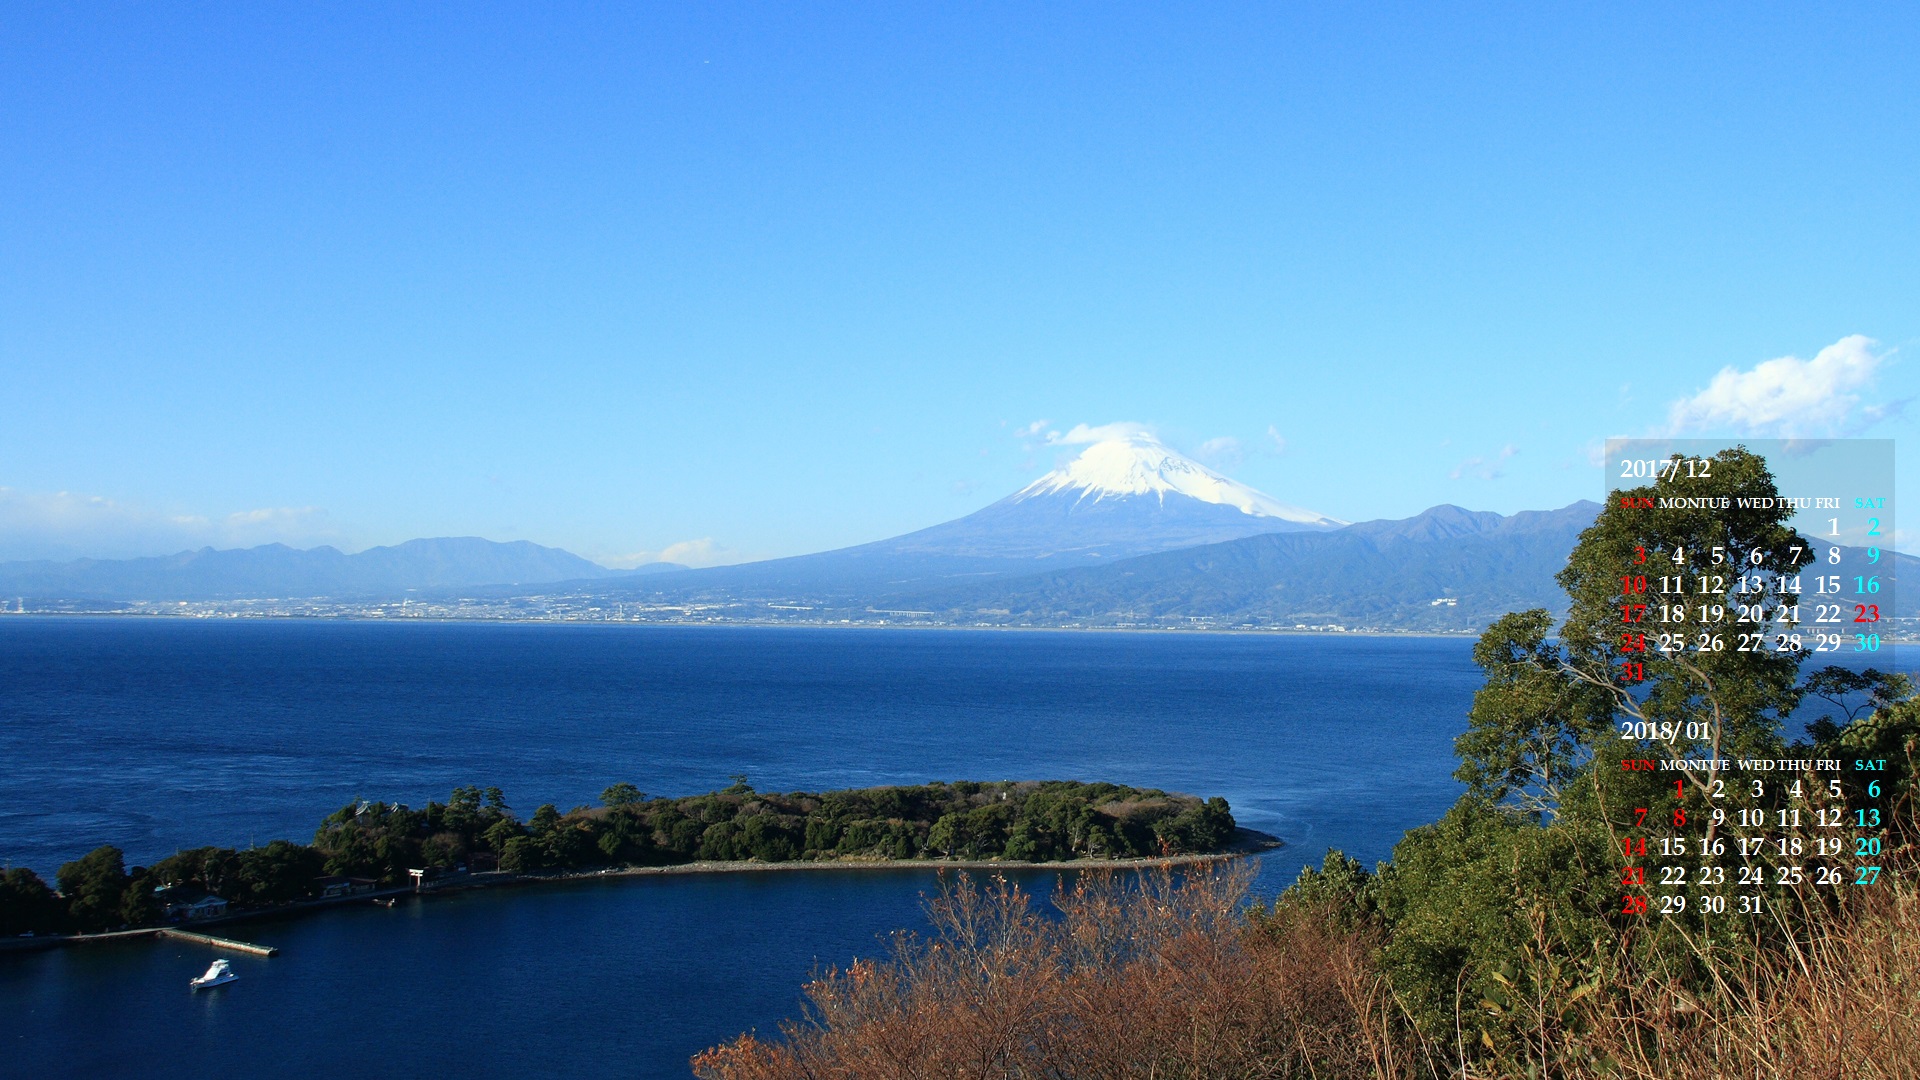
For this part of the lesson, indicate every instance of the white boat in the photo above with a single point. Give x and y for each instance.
(218, 973)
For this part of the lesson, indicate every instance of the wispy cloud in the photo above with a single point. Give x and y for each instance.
(1033, 436)
(694, 553)
(1225, 452)
(1082, 433)
(1788, 397)
(1221, 452)
(66, 525)
(1481, 468)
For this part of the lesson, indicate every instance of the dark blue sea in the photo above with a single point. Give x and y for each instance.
(160, 734)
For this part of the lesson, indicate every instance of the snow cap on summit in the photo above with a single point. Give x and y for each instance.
(1127, 460)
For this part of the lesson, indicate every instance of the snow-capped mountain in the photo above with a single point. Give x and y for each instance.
(1122, 496)
(1138, 464)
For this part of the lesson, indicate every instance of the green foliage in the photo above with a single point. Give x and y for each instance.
(373, 840)
(1031, 822)
(279, 873)
(521, 855)
(1740, 697)
(138, 905)
(1532, 722)
(1890, 734)
(1483, 889)
(384, 842)
(1853, 693)
(209, 868)
(545, 821)
(621, 794)
(27, 906)
(1341, 892)
(1206, 827)
(1027, 822)
(1497, 920)
(94, 886)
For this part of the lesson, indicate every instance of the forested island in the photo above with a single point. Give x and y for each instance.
(370, 845)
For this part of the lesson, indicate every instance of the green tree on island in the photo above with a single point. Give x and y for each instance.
(95, 887)
(27, 906)
(621, 794)
(1023, 821)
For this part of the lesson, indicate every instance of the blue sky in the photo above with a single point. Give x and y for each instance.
(731, 281)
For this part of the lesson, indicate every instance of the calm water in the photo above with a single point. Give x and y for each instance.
(154, 735)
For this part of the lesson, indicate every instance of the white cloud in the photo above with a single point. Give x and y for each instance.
(65, 525)
(1788, 397)
(1035, 435)
(694, 553)
(1081, 433)
(1481, 468)
(1224, 452)
(1278, 440)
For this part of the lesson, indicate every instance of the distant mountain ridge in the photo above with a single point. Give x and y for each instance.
(275, 570)
(1122, 496)
(1444, 569)
(1125, 494)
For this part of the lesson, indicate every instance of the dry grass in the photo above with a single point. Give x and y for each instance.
(1838, 1000)
(1138, 976)
(1158, 976)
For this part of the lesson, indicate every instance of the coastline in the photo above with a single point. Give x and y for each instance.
(727, 624)
(1246, 843)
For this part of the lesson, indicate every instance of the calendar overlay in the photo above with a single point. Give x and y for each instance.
(1733, 831)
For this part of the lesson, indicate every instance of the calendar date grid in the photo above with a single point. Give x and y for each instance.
(1740, 843)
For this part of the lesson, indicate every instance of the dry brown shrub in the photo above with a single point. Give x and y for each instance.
(1138, 975)
(1162, 976)
(1840, 1000)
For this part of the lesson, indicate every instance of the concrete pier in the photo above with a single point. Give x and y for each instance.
(220, 943)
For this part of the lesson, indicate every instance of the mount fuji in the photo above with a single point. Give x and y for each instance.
(1123, 496)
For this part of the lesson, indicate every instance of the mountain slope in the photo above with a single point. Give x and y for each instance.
(1377, 573)
(1123, 496)
(275, 570)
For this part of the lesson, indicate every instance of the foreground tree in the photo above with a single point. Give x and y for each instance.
(95, 887)
(27, 906)
(1510, 910)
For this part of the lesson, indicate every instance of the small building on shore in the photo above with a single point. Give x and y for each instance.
(188, 905)
(336, 885)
